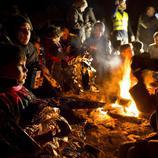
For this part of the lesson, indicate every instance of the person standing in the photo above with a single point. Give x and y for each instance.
(75, 20)
(99, 48)
(147, 26)
(121, 26)
(89, 19)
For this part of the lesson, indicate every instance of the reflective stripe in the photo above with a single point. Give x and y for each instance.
(120, 22)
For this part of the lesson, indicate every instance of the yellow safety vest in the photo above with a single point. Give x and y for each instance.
(120, 22)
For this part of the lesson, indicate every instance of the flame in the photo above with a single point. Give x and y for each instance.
(125, 104)
(125, 85)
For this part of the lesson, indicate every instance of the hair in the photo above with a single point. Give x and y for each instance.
(100, 24)
(155, 35)
(35, 37)
(124, 47)
(137, 45)
(120, 1)
(147, 8)
(79, 3)
(10, 53)
(13, 23)
(53, 31)
(116, 44)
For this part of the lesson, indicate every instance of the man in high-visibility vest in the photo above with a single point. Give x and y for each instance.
(121, 27)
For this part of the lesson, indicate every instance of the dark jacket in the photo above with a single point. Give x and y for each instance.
(147, 26)
(31, 54)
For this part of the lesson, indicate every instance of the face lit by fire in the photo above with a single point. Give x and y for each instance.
(98, 31)
(16, 71)
(122, 5)
(21, 71)
(24, 34)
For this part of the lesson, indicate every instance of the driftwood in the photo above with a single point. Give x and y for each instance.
(125, 118)
(79, 103)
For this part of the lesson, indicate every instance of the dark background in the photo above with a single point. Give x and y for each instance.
(40, 11)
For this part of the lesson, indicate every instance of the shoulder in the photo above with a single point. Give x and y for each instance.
(72, 10)
(125, 13)
(89, 40)
(30, 49)
(88, 9)
(31, 46)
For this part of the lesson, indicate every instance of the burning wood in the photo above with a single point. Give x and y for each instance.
(125, 118)
(79, 103)
(106, 130)
(124, 102)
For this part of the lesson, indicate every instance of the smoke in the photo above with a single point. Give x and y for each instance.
(114, 61)
(111, 76)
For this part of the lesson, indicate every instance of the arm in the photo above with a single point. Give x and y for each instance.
(32, 57)
(130, 31)
(115, 11)
(89, 16)
(74, 20)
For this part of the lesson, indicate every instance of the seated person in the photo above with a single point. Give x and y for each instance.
(98, 47)
(71, 43)
(145, 102)
(56, 57)
(54, 52)
(17, 31)
(20, 110)
(43, 82)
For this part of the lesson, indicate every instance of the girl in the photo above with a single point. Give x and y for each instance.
(26, 122)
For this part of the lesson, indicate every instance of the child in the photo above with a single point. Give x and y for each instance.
(20, 108)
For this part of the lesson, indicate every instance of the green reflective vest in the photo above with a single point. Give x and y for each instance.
(120, 22)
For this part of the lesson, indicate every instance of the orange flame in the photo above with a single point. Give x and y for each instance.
(125, 85)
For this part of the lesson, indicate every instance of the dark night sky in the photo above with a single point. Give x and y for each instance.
(39, 10)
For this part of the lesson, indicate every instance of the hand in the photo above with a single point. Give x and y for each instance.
(92, 48)
(132, 38)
